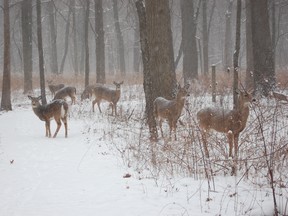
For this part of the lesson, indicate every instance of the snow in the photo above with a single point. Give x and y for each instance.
(84, 174)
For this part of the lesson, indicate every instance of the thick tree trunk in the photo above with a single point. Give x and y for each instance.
(119, 36)
(53, 38)
(66, 38)
(26, 24)
(228, 37)
(190, 54)
(263, 55)
(6, 84)
(86, 42)
(205, 38)
(161, 52)
(40, 51)
(100, 45)
(249, 47)
(148, 81)
(75, 47)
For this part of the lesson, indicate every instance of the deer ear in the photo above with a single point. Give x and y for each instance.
(121, 83)
(40, 97)
(29, 97)
(114, 82)
(186, 86)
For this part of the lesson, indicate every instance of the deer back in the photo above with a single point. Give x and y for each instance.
(65, 92)
(55, 109)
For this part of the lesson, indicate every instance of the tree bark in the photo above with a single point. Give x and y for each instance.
(66, 38)
(100, 45)
(26, 24)
(6, 84)
(75, 47)
(190, 54)
(40, 51)
(161, 52)
(264, 73)
(228, 37)
(53, 39)
(249, 47)
(205, 38)
(119, 36)
(147, 74)
(86, 42)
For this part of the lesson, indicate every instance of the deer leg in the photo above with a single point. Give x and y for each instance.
(48, 131)
(236, 137)
(174, 124)
(98, 103)
(204, 138)
(58, 127)
(64, 120)
(93, 104)
(230, 137)
(160, 125)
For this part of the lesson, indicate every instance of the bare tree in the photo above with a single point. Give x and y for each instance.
(119, 36)
(26, 23)
(6, 85)
(53, 38)
(190, 54)
(40, 52)
(205, 37)
(263, 55)
(100, 44)
(228, 36)
(86, 42)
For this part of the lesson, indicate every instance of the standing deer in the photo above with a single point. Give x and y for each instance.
(54, 88)
(67, 91)
(230, 122)
(171, 109)
(88, 91)
(110, 95)
(57, 109)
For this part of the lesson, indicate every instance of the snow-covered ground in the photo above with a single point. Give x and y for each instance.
(87, 174)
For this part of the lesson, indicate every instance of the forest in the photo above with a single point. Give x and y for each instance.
(180, 67)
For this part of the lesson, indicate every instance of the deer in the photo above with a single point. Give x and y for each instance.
(67, 91)
(57, 109)
(54, 88)
(170, 109)
(107, 94)
(278, 96)
(88, 91)
(231, 122)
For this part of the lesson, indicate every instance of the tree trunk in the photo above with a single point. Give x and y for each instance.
(228, 36)
(161, 53)
(6, 85)
(121, 53)
(53, 38)
(75, 47)
(40, 51)
(86, 42)
(264, 73)
(26, 11)
(100, 45)
(190, 54)
(249, 47)
(147, 75)
(66, 38)
(236, 54)
(136, 48)
(205, 38)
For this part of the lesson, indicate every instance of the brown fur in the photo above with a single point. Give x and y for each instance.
(57, 109)
(67, 91)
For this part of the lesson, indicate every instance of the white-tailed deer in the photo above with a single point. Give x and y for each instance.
(230, 122)
(110, 95)
(88, 91)
(57, 109)
(279, 97)
(54, 88)
(67, 91)
(171, 109)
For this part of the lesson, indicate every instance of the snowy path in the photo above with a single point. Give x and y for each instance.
(42, 176)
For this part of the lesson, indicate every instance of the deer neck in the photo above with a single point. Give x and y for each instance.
(180, 102)
(38, 111)
(243, 111)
